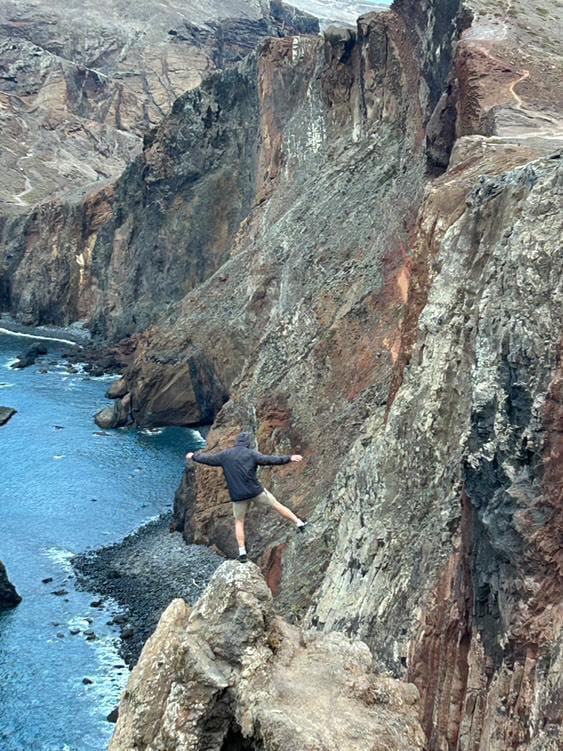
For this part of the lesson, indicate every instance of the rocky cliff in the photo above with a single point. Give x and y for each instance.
(81, 83)
(351, 246)
(229, 675)
(9, 598)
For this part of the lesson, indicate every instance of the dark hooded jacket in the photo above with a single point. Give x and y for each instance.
(239, 466)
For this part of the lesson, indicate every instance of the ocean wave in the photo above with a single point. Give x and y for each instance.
(151, 431)
(61, 557)
(6, 385)
(7, 332)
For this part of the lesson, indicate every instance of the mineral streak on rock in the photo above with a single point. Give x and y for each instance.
(9, 598)
(229, 674)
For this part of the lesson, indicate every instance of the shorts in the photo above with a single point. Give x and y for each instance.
(265, 498)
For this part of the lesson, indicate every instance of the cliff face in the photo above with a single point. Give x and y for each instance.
(81, 83)
(404, 332)
(130, 248)
(353, 242)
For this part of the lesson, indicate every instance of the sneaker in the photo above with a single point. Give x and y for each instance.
(243, 558)
(301, 528)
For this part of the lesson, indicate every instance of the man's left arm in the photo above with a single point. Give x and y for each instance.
(269, 459)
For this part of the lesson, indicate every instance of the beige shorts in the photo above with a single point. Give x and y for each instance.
(241, 507)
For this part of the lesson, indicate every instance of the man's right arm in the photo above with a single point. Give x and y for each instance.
(212, 460)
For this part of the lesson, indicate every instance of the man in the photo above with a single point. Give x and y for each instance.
(239, 467)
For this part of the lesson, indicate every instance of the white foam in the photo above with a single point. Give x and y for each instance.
(151, 431)
(58, 456)
(6, 385)
(61, 557)
(7, 332)
(108, 690)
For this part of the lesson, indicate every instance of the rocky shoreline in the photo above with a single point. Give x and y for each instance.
(143, 574)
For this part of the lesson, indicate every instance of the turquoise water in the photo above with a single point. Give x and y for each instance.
(63, 490)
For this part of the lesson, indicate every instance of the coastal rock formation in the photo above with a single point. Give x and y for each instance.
(6, 413)
(80, 84)
(392, 308)
(9, 598)
(116, 415)
(350, 245)
(230, 675)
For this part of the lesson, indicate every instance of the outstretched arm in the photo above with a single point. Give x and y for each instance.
(212, 460)
(265, 459)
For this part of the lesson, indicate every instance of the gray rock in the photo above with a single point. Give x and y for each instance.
(118, 389)
(9, 598)
(6, 413)
(114, 416)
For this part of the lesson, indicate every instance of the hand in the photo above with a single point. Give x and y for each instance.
(190, 455)
(296, 458)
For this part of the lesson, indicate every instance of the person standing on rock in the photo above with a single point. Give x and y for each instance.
(239, 466)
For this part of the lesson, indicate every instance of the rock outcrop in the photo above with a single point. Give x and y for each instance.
(392, 308)
(231, 675)
(9, 598)
(30, 355)
(6, 413)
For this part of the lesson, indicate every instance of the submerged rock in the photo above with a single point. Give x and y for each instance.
(230, 674)
(6, 413)
(9, 597)
(30, 355)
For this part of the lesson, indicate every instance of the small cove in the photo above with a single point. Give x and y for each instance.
(67, 487)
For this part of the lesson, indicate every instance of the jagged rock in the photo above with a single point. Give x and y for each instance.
(116, 415)
(30, 355)
(6, 413)
(118, 389)
(230, 674)
(9, 598)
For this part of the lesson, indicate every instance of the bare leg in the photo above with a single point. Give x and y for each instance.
(239, 532)
(285, 512)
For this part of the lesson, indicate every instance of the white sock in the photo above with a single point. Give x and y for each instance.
(242, 551)
(300, 523)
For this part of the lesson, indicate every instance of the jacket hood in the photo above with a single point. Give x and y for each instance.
(244, 439)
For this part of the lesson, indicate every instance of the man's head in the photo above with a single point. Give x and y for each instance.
(244, 439)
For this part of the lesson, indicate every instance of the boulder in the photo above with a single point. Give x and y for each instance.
(9, 598)
(231, 674)
(114, 416)
(6, 413)
(118, 389)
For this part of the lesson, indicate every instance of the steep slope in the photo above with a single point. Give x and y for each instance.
(404, 333)
(80, 83)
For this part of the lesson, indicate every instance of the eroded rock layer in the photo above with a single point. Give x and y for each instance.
(80, 83)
